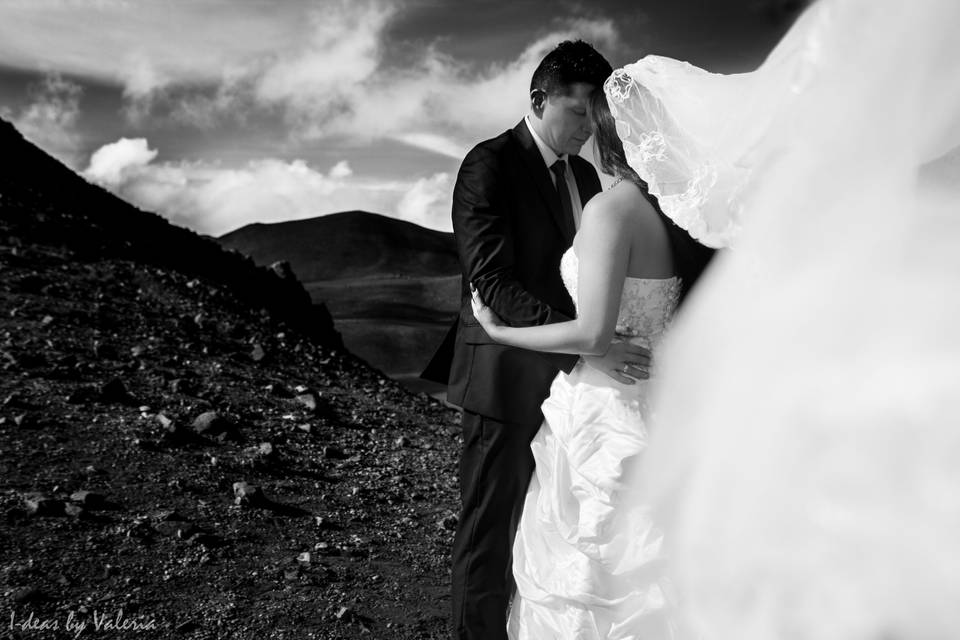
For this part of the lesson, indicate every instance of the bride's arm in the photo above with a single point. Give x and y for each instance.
(603, 249)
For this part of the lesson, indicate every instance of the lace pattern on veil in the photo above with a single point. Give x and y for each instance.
(696, 137)
(679, 170)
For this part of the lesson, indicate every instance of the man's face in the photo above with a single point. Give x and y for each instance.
(563, 121)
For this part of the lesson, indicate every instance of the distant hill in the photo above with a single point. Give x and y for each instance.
(351, 244)
(392, 287)
(182, 435)
(59, 206)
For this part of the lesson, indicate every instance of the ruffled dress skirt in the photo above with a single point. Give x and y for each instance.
(587, 559)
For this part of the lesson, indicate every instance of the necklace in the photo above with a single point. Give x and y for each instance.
(615, 183)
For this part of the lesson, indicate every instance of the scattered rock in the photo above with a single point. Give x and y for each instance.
(24, 595)
(187, 627)
(207, 540)
(89, 499)
(115, 391)
(283, 270)
(211, 423)
(248, 495)
(258, 354)
(26, 420)
(39, 504)
(333, 453)
(187, 530)
(141, 530)
(309, 400)
(168, 529)
(449, 522)
(401, 442)
(74, 511)
(266, 451)
(181, 385)
(15, 400)
(104, 351)
(84, 394)
(171, 516)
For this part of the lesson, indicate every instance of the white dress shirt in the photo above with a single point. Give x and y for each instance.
(549, 157)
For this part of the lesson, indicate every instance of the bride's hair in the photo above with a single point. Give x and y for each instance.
(607, 144)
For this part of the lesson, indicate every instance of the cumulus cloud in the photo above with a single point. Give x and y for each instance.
(427, 202)
(438, 104)
(213, 199)
(341, 170)
(326, 67)
(49, 120)
(113, 163)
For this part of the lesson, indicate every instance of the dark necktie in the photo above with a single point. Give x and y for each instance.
(559, 169)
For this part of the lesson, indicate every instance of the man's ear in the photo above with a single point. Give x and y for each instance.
(538, 98)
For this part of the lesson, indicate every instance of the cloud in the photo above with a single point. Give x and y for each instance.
(433, 142)
(428, 202)
(341, 170)
(49, 120)
(437, 103)
(213, 199)
(113, 163)
(144, 45)
(328, 68)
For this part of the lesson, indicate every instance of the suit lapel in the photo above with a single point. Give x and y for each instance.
(585, 181)
(541, 178)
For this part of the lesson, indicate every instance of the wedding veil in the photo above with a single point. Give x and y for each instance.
(803, 456)
(702, 140)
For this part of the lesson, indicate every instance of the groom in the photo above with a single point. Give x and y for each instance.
(516, 207)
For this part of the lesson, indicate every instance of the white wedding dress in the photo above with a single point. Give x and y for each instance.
(587, 559)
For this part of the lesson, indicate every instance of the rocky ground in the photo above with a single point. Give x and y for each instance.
(176, 462)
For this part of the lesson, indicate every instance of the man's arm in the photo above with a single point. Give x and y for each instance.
(486, 246)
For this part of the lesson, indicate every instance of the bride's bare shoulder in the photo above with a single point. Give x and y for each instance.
(624, 205)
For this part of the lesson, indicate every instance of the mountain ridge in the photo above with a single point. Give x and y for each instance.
(27, 178)
(181, 442)
(376, 246)
(391, 286)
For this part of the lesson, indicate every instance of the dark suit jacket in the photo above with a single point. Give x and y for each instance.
(511, 232)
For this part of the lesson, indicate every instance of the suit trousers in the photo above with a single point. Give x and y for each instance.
(495, 470)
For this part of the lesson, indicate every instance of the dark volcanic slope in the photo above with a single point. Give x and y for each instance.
(133, 368)
(352, 244)
(392, 287)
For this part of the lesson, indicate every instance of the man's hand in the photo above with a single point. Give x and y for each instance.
(623, 361)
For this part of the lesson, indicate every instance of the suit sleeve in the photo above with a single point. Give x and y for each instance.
(485, 245)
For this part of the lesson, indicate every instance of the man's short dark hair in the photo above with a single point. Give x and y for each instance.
(569, 63)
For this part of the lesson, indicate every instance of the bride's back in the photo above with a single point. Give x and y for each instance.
(626, 206)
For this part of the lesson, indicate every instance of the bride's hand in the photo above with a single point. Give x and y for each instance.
(484, 314)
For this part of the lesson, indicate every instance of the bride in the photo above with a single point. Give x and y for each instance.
(587, 564)
(803, 458)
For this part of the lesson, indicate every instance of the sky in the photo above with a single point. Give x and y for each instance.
(221, 113)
